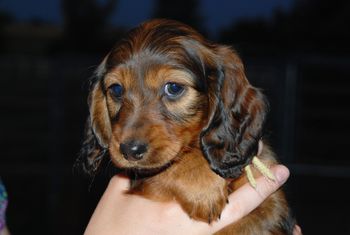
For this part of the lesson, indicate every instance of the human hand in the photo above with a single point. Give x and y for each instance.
(120, 213)
(5, 231)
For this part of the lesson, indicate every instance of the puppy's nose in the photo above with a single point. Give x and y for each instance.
(133, 150)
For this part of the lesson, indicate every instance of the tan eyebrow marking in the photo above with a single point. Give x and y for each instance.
(119, 75)
(157, 78)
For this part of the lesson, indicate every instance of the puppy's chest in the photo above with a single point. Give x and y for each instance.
(201, 193)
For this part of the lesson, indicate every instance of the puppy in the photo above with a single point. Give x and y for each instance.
(178, 114)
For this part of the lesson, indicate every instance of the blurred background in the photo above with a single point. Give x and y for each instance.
(297, 51)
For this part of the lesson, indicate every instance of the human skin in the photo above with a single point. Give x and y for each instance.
(121, 213)
(5, 231)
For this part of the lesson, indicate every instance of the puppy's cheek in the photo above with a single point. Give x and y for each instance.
(115, 155)
(188, 133)
(166, 154)
(186, 107)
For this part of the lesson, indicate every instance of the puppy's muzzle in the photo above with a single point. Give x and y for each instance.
(133, 150)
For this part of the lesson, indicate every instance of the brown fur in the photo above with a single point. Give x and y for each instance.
(209, 132)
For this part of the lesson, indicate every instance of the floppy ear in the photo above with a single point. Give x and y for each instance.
(99, 119)
(98, 127)
(236, 117)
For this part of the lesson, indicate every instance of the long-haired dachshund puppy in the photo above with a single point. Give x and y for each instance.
(178, 112)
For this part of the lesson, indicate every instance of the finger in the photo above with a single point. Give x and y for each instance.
(245, 199)
(119, 183)
(297, 230)
(260, 148)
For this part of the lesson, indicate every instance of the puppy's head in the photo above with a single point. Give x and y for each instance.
(164, 90)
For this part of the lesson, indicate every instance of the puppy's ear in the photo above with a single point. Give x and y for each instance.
(98, 127)
(99, 119)
(236, 117)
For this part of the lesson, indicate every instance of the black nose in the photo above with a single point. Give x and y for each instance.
(133, 150)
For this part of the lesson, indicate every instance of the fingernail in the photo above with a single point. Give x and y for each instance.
(282, 174)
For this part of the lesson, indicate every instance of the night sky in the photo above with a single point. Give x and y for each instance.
(216, 13)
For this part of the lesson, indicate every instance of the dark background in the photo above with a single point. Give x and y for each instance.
(297, 51)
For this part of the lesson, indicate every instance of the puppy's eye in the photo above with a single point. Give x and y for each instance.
(173, 90)
(116, 90)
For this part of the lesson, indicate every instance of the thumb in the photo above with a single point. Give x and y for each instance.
(245, 199)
